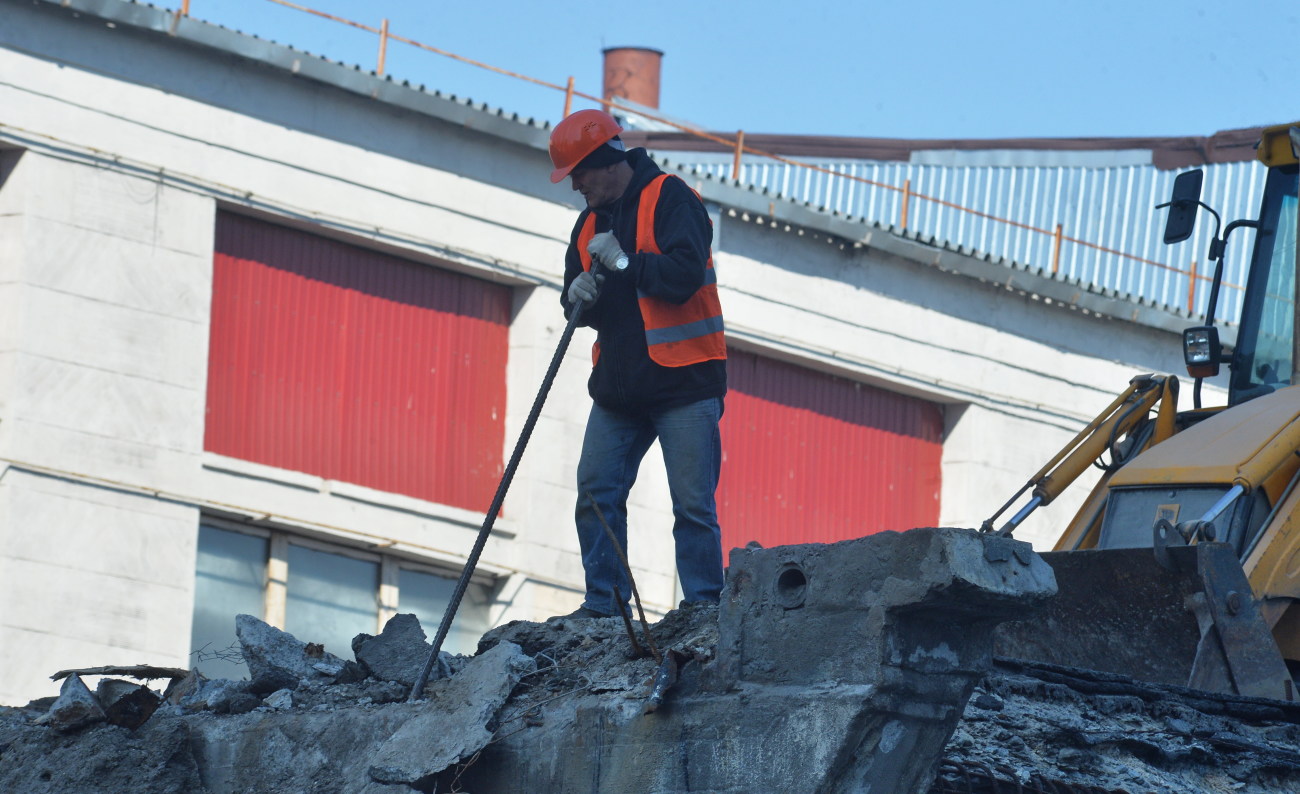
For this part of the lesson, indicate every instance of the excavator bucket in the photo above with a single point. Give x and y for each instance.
(1189, 622)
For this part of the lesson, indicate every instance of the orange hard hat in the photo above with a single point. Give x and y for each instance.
(577, 136)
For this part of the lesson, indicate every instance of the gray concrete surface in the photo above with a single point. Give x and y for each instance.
(840, 668)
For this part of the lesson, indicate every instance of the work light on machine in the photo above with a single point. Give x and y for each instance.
(1202, 351)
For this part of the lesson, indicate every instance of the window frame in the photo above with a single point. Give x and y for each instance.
(388, 590)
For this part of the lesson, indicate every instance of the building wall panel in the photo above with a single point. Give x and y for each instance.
(352, 365)
(809, 457)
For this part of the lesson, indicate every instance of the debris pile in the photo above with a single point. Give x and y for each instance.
(828, 668)
(127, 736)
(1041, 727)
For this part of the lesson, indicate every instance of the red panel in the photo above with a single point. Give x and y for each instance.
(808, 457)
(345, 363)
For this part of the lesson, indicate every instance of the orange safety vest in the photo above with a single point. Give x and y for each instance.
(676, 335)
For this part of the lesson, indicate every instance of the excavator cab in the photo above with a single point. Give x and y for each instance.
(1265, 353)
(1183, 565)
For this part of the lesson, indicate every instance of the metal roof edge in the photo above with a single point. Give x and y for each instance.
(758, 202)
(462, 112)
(763, 204)
(1166, 152)
(1011, 275)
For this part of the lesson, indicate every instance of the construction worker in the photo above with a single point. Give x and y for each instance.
(640, 268)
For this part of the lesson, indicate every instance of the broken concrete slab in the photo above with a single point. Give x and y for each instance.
(458, 720)
(133, 709)
(272, 680)
(110, 690)
(838, 666)
(240, 703)
(335, 749)
(275, 657)
(216, 694)
(183, 689)
(578, 723)
(748, 693)
(280, 700)
(1044, 727)
(75, 707)
(156, 759)
(398, 653)
(327, 751)
(1050, 734)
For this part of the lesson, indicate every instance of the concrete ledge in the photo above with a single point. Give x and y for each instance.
(356, 493)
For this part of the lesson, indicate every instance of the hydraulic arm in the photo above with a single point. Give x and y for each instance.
(1122, 429)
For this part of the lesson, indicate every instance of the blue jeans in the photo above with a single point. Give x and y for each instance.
(612, 451)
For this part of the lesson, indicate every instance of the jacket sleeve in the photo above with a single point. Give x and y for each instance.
(684, 234)
(573, 267)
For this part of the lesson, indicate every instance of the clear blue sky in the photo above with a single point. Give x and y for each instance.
(905, 68)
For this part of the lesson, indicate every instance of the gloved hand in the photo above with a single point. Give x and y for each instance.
(605, 248)
(585, 288)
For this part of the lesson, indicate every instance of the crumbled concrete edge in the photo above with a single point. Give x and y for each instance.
(458, 719)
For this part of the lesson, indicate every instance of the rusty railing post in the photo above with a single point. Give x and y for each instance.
(740, 150)
(183, 11)
(605, 102)
(383, 47)
(907, 201)
(1191, 289)
(1056, 250)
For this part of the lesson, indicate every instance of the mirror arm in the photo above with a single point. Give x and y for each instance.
(1237, 225)
(1217, 247)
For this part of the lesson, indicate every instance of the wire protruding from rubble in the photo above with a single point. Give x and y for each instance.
(636, 596)
(637, 650)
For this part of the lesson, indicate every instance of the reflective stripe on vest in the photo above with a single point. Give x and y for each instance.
(676, 335)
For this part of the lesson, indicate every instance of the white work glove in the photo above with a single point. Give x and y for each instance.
(585, 288)
(605, 248)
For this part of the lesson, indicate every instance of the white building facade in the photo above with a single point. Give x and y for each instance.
(136, 148)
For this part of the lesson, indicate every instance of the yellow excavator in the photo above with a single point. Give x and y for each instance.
(1183, 565)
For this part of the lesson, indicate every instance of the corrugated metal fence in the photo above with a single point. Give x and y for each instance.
(1108, 207)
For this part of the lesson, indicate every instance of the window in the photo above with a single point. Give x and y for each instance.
(331, 598)
(230, 580)
(319, 592)
(426, 595)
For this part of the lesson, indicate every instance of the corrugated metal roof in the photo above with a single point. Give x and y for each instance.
(853, 213)
(1165, 152)
(1109, 210)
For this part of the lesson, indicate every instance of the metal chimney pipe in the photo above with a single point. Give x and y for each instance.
(632, 73)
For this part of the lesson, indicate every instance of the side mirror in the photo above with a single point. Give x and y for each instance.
(1202, 351)
(1182, 206)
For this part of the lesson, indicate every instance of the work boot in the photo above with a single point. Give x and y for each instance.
(581, 613)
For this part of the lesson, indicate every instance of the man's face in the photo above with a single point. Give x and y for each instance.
(599, 186)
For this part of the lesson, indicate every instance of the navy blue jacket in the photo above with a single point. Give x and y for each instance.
(625, 379)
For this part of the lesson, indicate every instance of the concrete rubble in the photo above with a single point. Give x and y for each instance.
(399, 652)
(75, 708)
(1040, 727)
(827, 668)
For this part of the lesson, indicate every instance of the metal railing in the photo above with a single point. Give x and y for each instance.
(736, 145)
